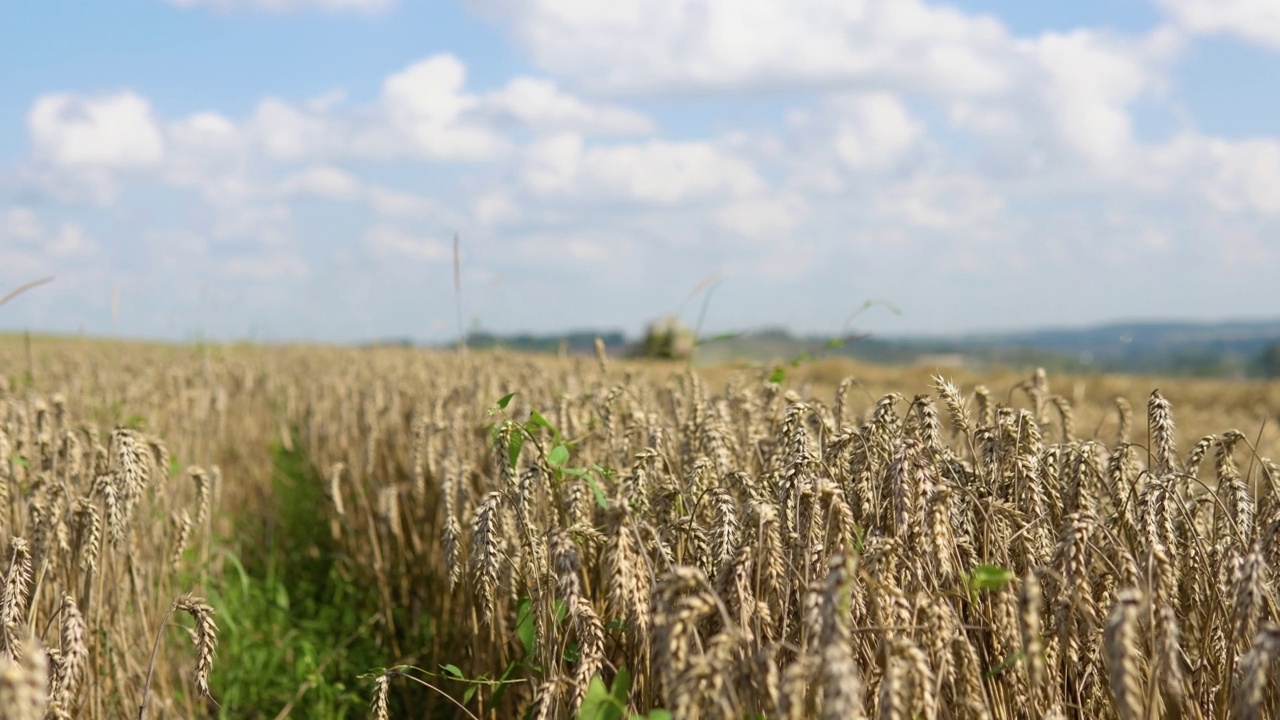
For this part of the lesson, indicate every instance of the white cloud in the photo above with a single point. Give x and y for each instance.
(1065, 93)
(286, 6)
(206, 131)
(266, 266)
(428, 109)
(878, 133)
(325, 182)
(107, 131)
(770, 217)
(70, 242)
(1246, 175)
(233, 268)
(1233, 176)
(425, 105)
(495, 209)
(940, 202)
(20, 223)
(538, 104)
(291, 134)
(577, 248)
(86, 148)
(613, 256)
(1087, 88)
(32, 247)
(238, 217)
(655, 172)
(327, 102)
(90, 186)
(1257, 21)
(389, 241)
(662, 44)
(430, 90)
(177, 249)
(425, 112)
(1071, 107)
(389, 202)
(551, 164)
(202, 147)
(869, 131)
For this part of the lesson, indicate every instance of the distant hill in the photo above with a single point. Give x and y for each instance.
(1196, 348)
(1225, 349)
(1180, 348)
(580, 342)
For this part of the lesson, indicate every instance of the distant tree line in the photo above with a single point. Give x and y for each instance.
(668, 338)
(1268, 362)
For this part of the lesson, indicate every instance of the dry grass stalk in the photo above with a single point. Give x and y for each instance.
(380, 708)
(75, 652)
(14, 598)
(1125, 658)
(1257, 674)
(206, 637)
(24, 683)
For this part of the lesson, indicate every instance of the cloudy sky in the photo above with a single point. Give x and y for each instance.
(281, 169)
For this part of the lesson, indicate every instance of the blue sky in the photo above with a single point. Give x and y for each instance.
(296, 169)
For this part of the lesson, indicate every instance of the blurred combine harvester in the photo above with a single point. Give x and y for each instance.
(668, 338)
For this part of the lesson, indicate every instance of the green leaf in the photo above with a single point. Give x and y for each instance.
(1007, 663)
(601, 499)
(537, 421)
(659, 714)
(558, 456)
(621, 688)
(504, 682)
(20, 461)
(469, 693)
(513, 450)
(524, 625)
(859, 538)
(453, 670)
(777, 376)
(598, 702)
(989, 578)
(505, 400)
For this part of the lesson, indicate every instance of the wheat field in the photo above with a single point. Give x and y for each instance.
(596, 538)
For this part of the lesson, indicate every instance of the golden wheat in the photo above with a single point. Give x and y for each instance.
(1003, 547)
